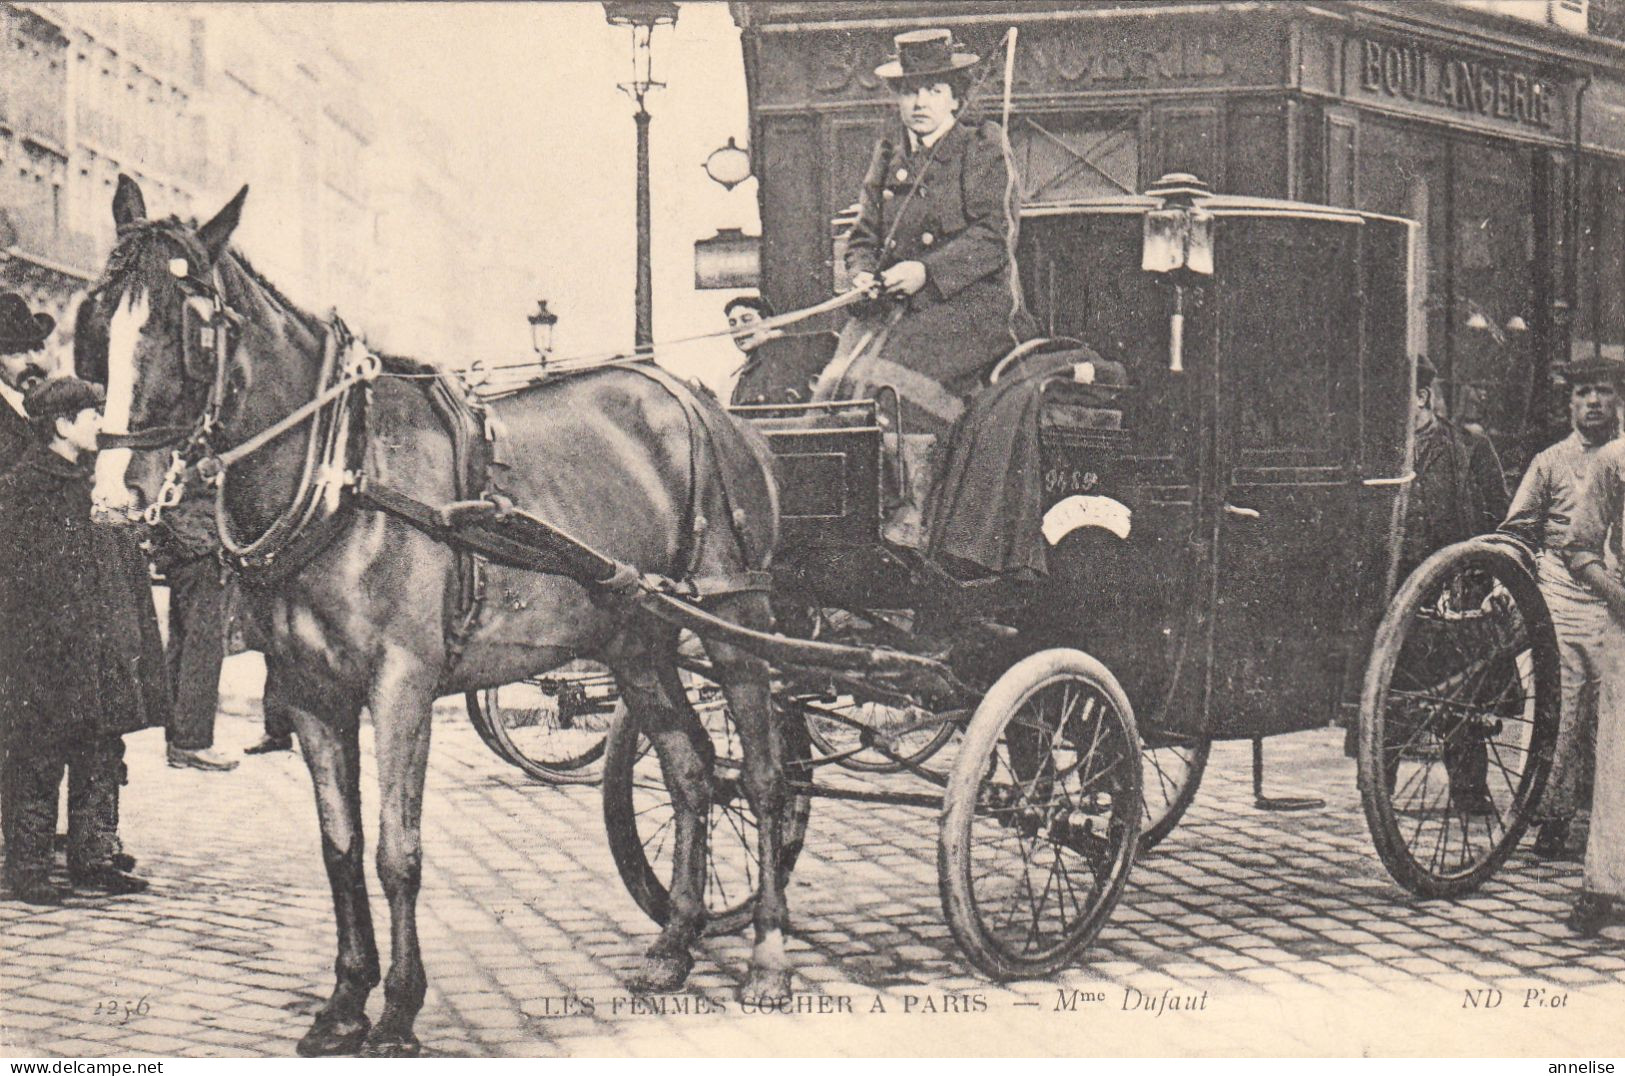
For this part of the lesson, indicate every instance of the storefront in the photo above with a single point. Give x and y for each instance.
(1505, 140)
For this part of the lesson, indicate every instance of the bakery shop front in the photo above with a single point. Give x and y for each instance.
(1503, 139)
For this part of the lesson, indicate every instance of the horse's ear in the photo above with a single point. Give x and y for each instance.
(128, 205)
(217, 232)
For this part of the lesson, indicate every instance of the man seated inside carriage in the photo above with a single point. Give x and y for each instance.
(933, 241)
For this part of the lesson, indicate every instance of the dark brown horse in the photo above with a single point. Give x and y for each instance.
(611, 456)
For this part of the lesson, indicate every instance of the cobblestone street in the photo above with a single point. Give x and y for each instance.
(1285, 924)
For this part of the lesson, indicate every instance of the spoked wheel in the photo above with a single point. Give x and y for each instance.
(1170, 769)
(641, 820)
(1458, 719)
(551, 727)
(849, 730)
(1042, 815)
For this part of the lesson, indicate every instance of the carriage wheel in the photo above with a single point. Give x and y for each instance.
(551, 727)
(639, 815)
(1170, 769)
(1458, 719)
(1042, 815)
(832, 735)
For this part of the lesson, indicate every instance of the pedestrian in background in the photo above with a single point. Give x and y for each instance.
(82, 660)
(1543, 508)
(185, 555)
(776, 370)
(1459, 492)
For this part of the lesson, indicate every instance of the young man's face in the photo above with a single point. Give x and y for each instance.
(1594, 407)
(21, 369)
(747, 321)
(926, 108)
(81, 430)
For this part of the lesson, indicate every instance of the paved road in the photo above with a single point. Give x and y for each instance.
(1283, 932)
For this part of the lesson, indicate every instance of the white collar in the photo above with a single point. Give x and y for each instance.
(13, 397)
(927, 141)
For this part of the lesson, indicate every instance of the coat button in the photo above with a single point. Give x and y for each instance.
(926, 239)
(902, 175)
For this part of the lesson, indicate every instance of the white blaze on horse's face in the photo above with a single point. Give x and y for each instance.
(123, 334)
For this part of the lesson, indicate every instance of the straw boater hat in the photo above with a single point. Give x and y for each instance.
(1594, 368)
(925, 52)
(20, 328)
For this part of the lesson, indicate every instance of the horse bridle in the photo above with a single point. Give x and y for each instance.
(209, 326)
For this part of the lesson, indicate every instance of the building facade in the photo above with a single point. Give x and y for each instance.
(349, 207)
(1500, 130)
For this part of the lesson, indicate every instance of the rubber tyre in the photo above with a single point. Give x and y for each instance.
(825, 737)
(635, 797)
(1169, 775)
(984, 807)
(1496, 639)
(574, 764)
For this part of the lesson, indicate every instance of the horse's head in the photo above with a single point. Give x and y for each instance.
(155, 313)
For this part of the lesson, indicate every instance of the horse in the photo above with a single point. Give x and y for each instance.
(612, 456)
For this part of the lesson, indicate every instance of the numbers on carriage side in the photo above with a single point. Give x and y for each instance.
(122, 1009)
(1069, 480)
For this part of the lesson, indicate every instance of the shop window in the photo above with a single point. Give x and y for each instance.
(1493, 255)
(1059, 158)
(1599, 323)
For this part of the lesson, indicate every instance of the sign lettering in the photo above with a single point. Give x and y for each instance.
(1480, 87)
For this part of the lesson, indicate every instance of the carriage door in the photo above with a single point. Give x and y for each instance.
(1286, 307)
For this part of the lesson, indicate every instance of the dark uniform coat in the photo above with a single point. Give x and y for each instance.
(951, 215)
(1459, 491)
(80, 653)
(14, 436)
(781, 371)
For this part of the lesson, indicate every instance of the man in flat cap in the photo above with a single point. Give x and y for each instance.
(1544, 507)
(1592, 548)
(81, 663)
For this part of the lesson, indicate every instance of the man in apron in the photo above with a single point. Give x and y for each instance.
(1592, 548)
(1545, 505)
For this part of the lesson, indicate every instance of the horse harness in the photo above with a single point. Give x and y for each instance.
(482, 524)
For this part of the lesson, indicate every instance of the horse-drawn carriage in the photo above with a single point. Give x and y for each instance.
(1224, 476)
(1224, 482)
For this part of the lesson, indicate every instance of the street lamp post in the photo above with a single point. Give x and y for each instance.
(642, 17)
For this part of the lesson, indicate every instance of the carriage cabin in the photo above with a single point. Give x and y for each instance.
(1261, 449)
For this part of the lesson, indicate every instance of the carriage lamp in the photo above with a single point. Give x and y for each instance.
(728, 165)
(1178, 243)
(541, 329)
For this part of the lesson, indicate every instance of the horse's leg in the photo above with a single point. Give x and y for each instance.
(745, 681)
(401, 701)
(646, 674)
(333, 756)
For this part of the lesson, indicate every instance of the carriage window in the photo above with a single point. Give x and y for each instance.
(1081, 276)
(1283, 369)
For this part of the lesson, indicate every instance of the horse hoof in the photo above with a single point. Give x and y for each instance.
(392, 1044)
(661, 973)
(332, 1035)
(767, 984)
